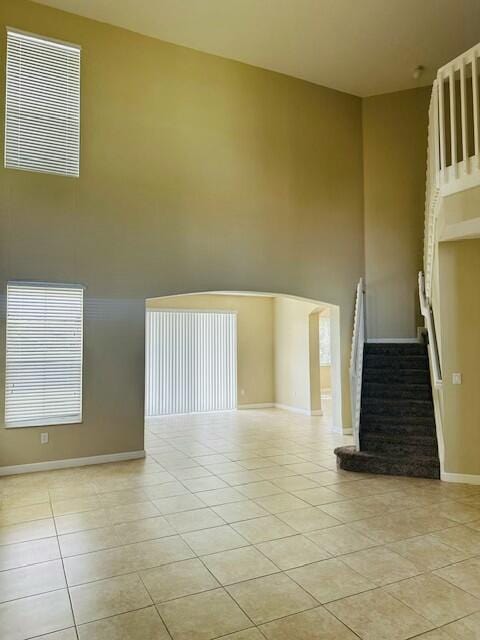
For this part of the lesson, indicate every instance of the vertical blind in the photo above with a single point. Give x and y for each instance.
(44, 354)
(42, 113)
(191, 362)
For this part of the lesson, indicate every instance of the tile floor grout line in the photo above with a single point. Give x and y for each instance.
(114, 615)
(65, 576)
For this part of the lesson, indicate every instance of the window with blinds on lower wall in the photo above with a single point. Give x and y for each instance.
(42, 110)
(44, 354)
(191, 361)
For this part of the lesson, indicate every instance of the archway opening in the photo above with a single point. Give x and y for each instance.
(217, 351)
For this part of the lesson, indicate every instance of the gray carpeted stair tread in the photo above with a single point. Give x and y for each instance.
(395, 348)
(396, 376)
(394, 391)
(395, 362)
(374, 462)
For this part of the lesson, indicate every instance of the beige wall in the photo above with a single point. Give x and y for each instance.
(255, 377)
(459, 270)
(292, 353)
(197, 174)
(326, 378)
(395, 143)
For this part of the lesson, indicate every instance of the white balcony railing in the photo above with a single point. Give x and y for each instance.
(458, 123)
(453, 162)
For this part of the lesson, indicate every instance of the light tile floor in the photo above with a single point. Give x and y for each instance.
(237, 525)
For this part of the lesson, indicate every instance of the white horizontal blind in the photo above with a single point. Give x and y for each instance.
(44, 354)
(191, 362)
(42, 113)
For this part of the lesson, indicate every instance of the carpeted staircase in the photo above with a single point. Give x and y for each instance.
(397, 423)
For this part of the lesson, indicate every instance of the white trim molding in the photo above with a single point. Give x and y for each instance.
(305, 412)
(256, 405)
(49, 465)
(464, 478)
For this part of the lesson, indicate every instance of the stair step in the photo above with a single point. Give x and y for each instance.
(394, 422)
(373, 462)
(397, 408)
(395, 362)
(407, 431)
(405, 447)
(396, 376)
(397, 391)
(396, 348)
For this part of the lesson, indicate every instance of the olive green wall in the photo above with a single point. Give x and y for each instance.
(459, 271)
(197, 174)
(395, 143)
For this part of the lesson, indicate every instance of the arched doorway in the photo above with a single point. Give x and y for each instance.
(278, 357)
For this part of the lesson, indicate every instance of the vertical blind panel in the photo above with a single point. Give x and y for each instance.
(191, 362)
(42, 117)
(44, 354)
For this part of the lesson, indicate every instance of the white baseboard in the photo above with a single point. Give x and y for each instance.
(464, 478)
(305, 412)
(348, 431)
(393, 340)
(70, 462)
(256, 405)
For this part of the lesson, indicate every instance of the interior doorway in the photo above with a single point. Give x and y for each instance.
(325, 349)
(261, 351)
(190, 361)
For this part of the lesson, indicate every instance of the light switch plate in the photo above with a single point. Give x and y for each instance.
(456, 378)
(44, 438)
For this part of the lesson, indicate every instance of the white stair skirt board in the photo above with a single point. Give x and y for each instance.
(70, 462)
(258, 405)
(463, 478)
(305, 412)
(393, 340)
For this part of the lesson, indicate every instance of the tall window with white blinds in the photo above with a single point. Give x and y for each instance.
(42, 111)
(44, 354)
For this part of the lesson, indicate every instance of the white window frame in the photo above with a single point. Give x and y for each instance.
(54, 167)
(49, 420)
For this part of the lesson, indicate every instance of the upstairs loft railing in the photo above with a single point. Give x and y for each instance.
(453, 161)
(458, 161)
(356, 362)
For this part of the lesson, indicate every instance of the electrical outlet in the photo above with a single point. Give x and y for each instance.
(456, 378)
(44, 438)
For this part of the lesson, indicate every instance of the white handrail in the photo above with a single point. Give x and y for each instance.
(427, 313)
(432, 191)
(356, 362)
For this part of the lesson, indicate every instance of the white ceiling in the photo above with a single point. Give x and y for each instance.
(364, 47)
